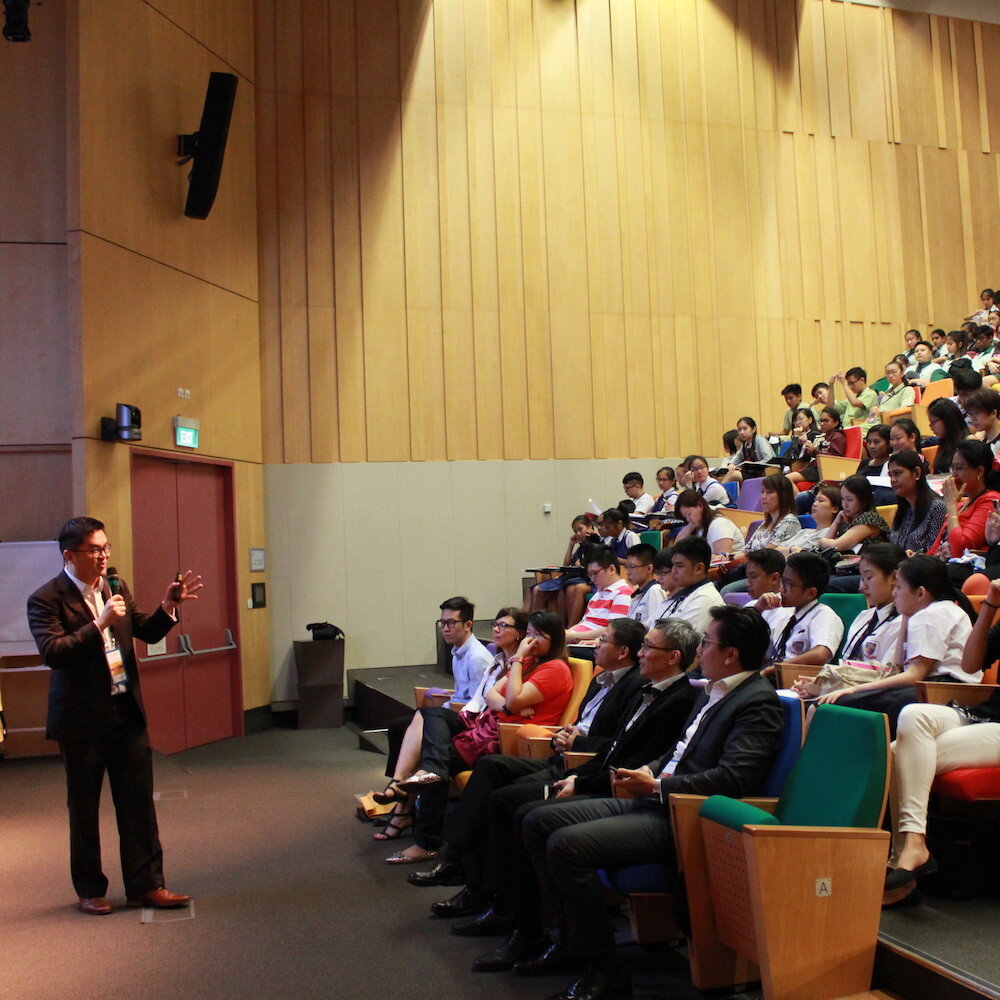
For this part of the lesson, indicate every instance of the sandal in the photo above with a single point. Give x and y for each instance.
(402, 858)
(396, 827)
(391, 793)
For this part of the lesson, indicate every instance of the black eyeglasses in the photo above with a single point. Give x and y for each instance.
(443, 623)
(502, 626)
(96, 550)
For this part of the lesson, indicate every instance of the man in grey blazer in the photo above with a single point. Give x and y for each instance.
(726, 748)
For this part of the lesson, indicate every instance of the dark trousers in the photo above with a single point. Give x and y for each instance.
(123, 752)
(468, 826)
(437, 755)
(568, 843)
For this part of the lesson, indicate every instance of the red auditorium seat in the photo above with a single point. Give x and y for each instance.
(969, 784)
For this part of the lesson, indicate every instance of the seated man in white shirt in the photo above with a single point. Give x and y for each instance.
(805, 631)
(924, 366)
(635, 491)
(610, 601)
(694, 595)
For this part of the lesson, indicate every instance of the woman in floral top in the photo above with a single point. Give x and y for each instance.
(920, 512)
(858, 521)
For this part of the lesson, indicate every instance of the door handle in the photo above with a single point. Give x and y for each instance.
(230, 645)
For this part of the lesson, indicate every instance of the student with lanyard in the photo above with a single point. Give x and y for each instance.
(873, 636)
(806, 631)
(694, 594)
(983, 410)
(935, 623)
(697, 478)
(897, 396)
(666, 480)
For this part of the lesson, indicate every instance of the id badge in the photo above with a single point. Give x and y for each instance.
(116, 665)
(870, 648)
(797, 647)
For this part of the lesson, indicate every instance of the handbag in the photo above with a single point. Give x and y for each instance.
(480, 739)
(324, 630)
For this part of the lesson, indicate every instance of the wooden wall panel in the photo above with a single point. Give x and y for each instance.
(516, 229)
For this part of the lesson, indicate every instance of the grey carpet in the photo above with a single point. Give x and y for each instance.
(292, 898)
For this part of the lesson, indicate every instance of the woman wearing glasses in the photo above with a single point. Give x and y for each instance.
(530, 679)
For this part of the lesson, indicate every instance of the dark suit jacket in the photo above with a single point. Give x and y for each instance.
(71, 644)
(609, 713)
(656, 730)
(734, 747)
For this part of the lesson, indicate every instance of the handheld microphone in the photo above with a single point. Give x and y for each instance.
(114, 581)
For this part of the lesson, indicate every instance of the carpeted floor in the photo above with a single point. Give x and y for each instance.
(292, 898)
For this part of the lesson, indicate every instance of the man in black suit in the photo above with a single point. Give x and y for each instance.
(607, 699)
(83, 624)
(727, 747)
(652, 727)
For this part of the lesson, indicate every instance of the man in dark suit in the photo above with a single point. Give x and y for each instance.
(727, 747)
(653, 726)
(83, 624)
(607, 699)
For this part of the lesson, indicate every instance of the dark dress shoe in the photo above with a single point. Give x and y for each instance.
(598, 985)
(913, 898)
(486, 924)
(160, 899)
(443, 873)
(514, 948)
(462, 904)
(902, 876)
(95, 906)
(553, 960)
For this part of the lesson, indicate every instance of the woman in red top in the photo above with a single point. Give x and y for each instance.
(832, 441)
(972, 477)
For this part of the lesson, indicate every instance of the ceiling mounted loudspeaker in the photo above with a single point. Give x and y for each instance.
(207, 146)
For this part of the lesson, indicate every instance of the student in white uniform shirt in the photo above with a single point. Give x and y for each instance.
(935, 623)
(697, 478)
(874, 634)
(635, 491)
(722, 535)
(694, 594)
(808, 632)
(647, 594)
(764, 569)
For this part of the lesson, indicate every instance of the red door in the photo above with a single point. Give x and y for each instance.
(182, 519)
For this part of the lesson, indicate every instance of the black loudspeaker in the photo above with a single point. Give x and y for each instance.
(208, 145)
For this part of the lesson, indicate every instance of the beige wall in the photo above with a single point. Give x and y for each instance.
(488, 229)
(157, 301)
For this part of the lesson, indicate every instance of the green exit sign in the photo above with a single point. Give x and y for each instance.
(186, 432)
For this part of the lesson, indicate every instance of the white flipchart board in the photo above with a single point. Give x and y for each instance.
(24, 567)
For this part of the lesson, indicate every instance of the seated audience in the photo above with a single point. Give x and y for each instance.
(932, 739)
(543, 595)
(805, 631)
(935, 622)
(753, 449)
(983, 410)
(924, 367)
(986, 350)
(949, 427)
(831, 441)
(693, 594)
(804, 430)
(635, 492)
(897, 396)
(858, 521)
(722, 535)
(872, 637)
(937, 340)
(697, 478)
(826, 505)
(666, 480)
(986, 303)
(614, 529)
(904, 436)
(920, 512)
(649, 727)
(875, 462)
(764, 569)
(647, 594)
(727, 751)
(792, 395)
(966, 382)
(422, 743)
(956, 348)
(911, 338)
(859, 398)
(820, 399)
(610, 601)
(969, 494)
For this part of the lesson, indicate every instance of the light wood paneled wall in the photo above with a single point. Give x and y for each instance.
(540, 229)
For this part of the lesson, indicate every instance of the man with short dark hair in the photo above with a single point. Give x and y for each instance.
(727, 748)
(924, 367)
(610, 601)
(792, 394)
(693, 594)
(965, 382)
(647, 594)
(470, 659)
(83, 623)
(860, 398)
(635, 491)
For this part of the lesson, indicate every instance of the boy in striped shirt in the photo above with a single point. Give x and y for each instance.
(611, 600)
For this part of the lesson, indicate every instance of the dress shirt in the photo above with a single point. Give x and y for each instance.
(493, 674)
(605, 681)
(813, 625)
(94, 599)
(468, 664)
(650, 692)
(645, 602)
(877, 631)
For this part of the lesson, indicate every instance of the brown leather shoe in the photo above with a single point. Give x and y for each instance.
(160, 899)
(96, 906)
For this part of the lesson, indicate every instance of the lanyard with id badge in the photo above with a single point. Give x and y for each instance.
(113, 656)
